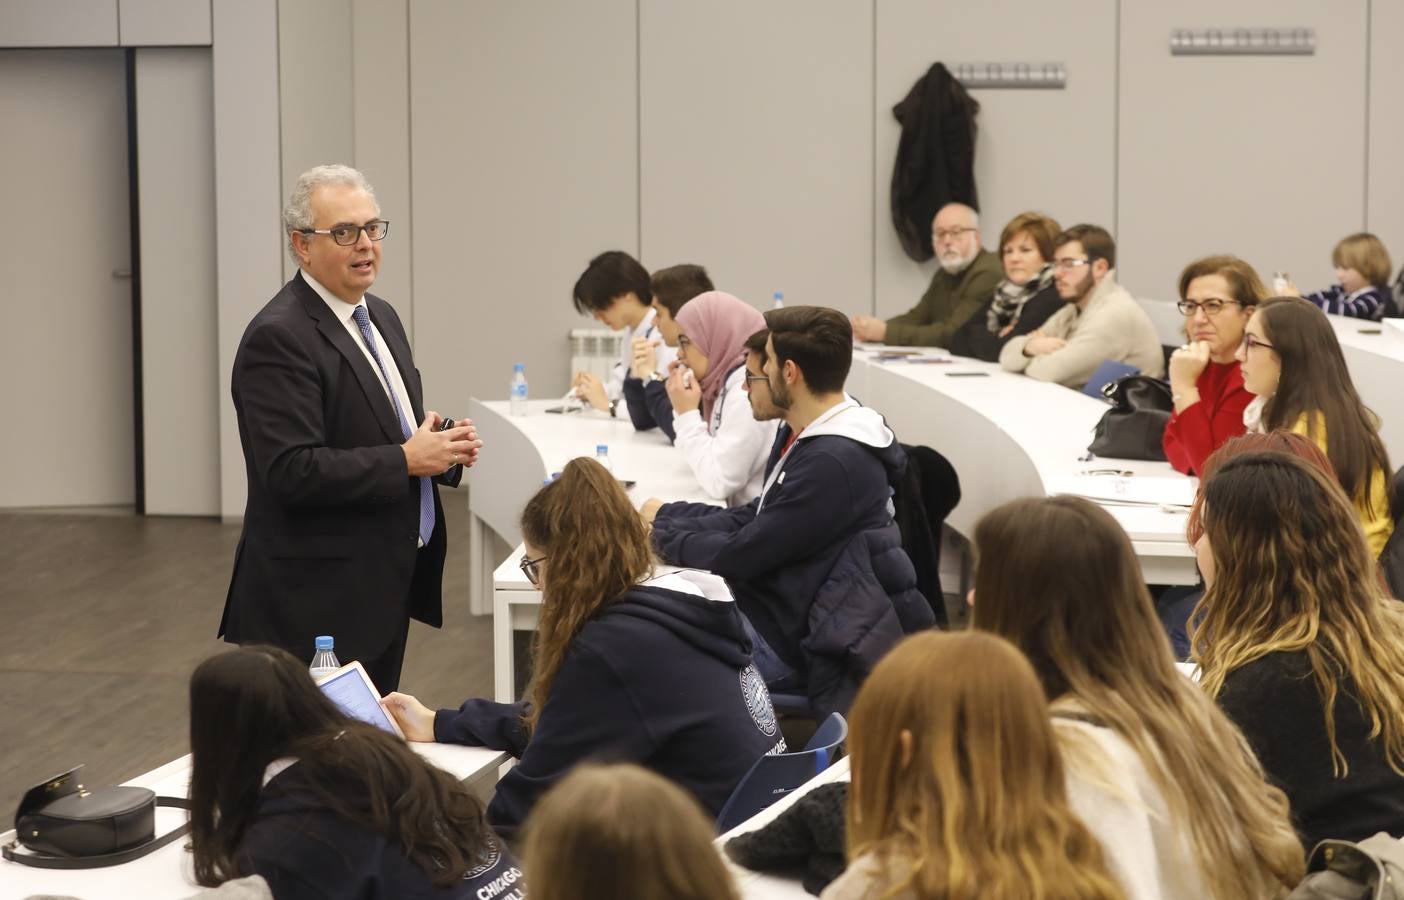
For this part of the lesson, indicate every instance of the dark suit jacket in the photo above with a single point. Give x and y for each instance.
(332, 523)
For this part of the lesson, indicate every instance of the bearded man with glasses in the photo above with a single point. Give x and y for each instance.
(343, 529)
(1101, 321)
(960, 287)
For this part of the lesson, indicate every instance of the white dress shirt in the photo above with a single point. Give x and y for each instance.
(344, 311)
(662, 354)
(728, 454)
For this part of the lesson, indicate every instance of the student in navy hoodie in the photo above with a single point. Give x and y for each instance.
(284, 786)
(816, 562)
(656, 672)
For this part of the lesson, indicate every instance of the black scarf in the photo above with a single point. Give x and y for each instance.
(1009, 298)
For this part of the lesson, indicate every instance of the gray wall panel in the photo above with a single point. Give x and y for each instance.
(1052, 151)
(66, 347)
(180, 341)
(1384, 211)
(146, 23)
(1262, 156)
(58, 23)
(524, 152)
(248, 190)
(756, 138)
(380, 118)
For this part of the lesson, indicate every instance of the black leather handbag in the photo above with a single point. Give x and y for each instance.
(63, 825)
(1134, 427)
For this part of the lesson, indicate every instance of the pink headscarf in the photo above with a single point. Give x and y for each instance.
(718, 325)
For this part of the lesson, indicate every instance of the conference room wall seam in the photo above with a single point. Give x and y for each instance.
(1365, 171)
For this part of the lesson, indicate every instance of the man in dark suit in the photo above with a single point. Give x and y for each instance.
(343, 531)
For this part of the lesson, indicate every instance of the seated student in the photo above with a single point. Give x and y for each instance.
(613, 656)
(1217, 296)
(816, 562)
(958, 786)
(621, 832)
(1099, 320)
(1362, 272)
(725, 446)
(1157, 772)
(285, 786)
(1292, 361)
(645, 394)
(1026, 297)
(965, 280)
(1299, 645)
(614, 291)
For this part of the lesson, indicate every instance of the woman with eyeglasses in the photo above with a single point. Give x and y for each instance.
(655, 672)
(1292, 361)
(1217, 296)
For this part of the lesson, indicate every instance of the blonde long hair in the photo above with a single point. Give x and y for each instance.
(597, 549)
(1058, 577)
(625, 833)
(958, 784)
(1293, 573)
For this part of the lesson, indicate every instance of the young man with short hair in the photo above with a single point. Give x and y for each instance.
(614, 291)
(1100, 322)
(816, 562)
(646, 393)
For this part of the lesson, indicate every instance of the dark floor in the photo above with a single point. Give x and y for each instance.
(102, 619)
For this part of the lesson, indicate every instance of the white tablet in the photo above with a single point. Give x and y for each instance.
(350, 688)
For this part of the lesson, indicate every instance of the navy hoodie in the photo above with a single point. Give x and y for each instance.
(823, 520)
(308, 852)
(661, 678)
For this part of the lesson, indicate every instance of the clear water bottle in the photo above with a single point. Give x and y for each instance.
(1280, 281)
(518, 402)
(602, 457)
(325, 661)
(779, 300)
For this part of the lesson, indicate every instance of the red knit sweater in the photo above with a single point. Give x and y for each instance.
(1201, 429)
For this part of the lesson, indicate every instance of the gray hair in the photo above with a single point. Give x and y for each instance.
(297, 215)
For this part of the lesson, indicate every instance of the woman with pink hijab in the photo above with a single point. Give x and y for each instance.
(723, 443)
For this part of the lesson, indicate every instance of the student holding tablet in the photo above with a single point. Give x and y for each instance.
(653, 672)
(286, 786)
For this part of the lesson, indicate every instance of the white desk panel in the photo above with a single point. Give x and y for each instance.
(1374, 354)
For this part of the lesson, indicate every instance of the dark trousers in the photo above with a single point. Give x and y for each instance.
(384, 670)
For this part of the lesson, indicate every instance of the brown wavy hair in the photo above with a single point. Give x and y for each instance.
(1315, 383)
(254, 705)
(597, 548)
(958, 784)
(622, 831)
(1294, 573)
(1366, 254)
(1058, 577)
(1291, 443)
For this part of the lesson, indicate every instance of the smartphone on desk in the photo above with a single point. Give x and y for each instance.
(563, 410)
(627, 484)
(966, 374)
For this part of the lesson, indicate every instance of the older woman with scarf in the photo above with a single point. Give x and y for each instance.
(1024, 299)
(724, 444)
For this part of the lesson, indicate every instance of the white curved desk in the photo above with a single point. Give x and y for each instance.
(1374, 354)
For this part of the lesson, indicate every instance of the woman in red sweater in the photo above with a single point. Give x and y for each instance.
(1217, 295)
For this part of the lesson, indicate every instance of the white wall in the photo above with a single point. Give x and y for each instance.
(1048, 150)
(1259, 156)
(756, 152)
(179, 309)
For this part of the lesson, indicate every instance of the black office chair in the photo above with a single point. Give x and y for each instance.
(929, 490)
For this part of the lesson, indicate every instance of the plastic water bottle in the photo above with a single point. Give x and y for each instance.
(602, 457)
(518, 402)
(779, 300)
(325, 661)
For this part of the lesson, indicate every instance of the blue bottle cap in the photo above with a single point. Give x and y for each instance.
(518, 367)
(601, 448)
(324, 642)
